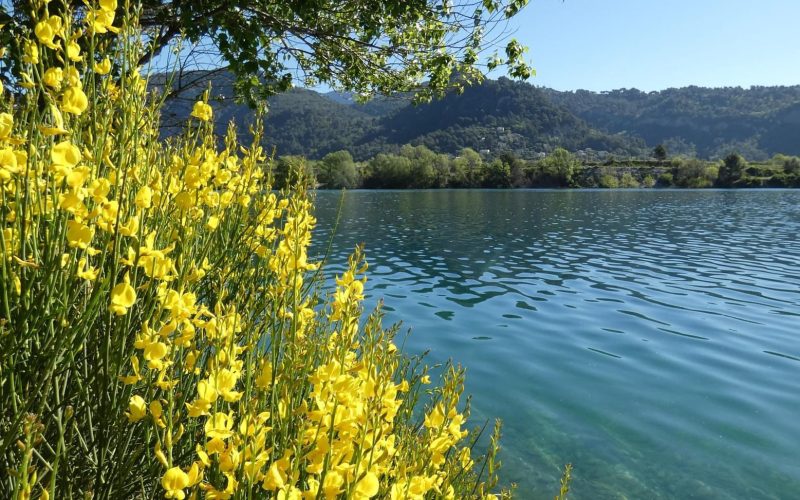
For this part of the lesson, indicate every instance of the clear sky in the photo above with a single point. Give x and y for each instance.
(656, 44)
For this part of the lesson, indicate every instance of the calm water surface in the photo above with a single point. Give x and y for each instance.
(651, 338)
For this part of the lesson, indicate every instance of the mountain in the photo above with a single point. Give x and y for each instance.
(507, 116)
(377, 106)
(299, 122)
(499, 115)
(711, 122)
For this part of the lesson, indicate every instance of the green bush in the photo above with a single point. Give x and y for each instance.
(628, 181)
(608, 181)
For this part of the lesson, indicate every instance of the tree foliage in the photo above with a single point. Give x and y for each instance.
(694, 173)
(560, 166)
(732, 169)
(791, 166)
(337, 170)
(360, 45)
(417, 167)
(660, 152)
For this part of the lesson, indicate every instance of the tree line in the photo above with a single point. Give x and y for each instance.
(418, 167)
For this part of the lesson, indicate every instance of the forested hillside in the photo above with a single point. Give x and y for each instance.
(502, 116)
(710, 122)
(499, 116)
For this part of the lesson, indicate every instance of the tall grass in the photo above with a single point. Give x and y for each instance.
(163, 332)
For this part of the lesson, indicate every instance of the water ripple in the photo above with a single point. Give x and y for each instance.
(648, 337)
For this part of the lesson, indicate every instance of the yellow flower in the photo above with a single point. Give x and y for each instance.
(6, 124)
(419, 485)
(87, 273)
(157, 410)
(109, 5)
(103, 67)
(184, 200)
(100, 21)
(206, 395)
(229, 459)
(202, 111)
(99, 189)
(30, 53)
(264, 378)
(436, 418)
(275, 478)
(219, 426)
(46, 30)
(159, 453)
(154, 352)
(123, 297)
(174, 481)
(332, 484)
(132, 379)
(79, 235)
(368, 486)
(215, 446)
(74, 101)
(212, 222)
(66, 154)
(58, 123)
(74, 51)
(108, 212)
(53, 77)
(73, 77)
(144, 197)
(8, 164)
(78, 177)
(224, 382)
(195, 474)
(181, 305)
(137, 409)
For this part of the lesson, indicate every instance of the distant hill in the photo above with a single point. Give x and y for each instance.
(300, 121)
(378, 106)
(506, 116)
(711, 122)
(499, 115)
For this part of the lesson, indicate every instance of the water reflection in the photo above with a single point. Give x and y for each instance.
(648, 337)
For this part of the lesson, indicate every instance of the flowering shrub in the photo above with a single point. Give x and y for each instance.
(163, 332)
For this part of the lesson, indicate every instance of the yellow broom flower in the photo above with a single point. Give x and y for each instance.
(123, 297)
(202, 111)
(74, 101)
(174, 481)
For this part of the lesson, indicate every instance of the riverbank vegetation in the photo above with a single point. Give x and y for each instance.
(417, 167)
(163, 329)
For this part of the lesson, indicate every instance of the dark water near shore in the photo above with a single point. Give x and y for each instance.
(651, 338)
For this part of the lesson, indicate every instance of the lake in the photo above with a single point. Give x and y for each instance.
(649, 337)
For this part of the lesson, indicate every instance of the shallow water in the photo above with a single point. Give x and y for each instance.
(650, 338)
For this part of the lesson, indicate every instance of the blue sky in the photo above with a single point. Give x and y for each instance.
(652, 45)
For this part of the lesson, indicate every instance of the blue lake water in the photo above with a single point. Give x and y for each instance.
(651, 338)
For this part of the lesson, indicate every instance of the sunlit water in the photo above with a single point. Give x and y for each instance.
(650, 338)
